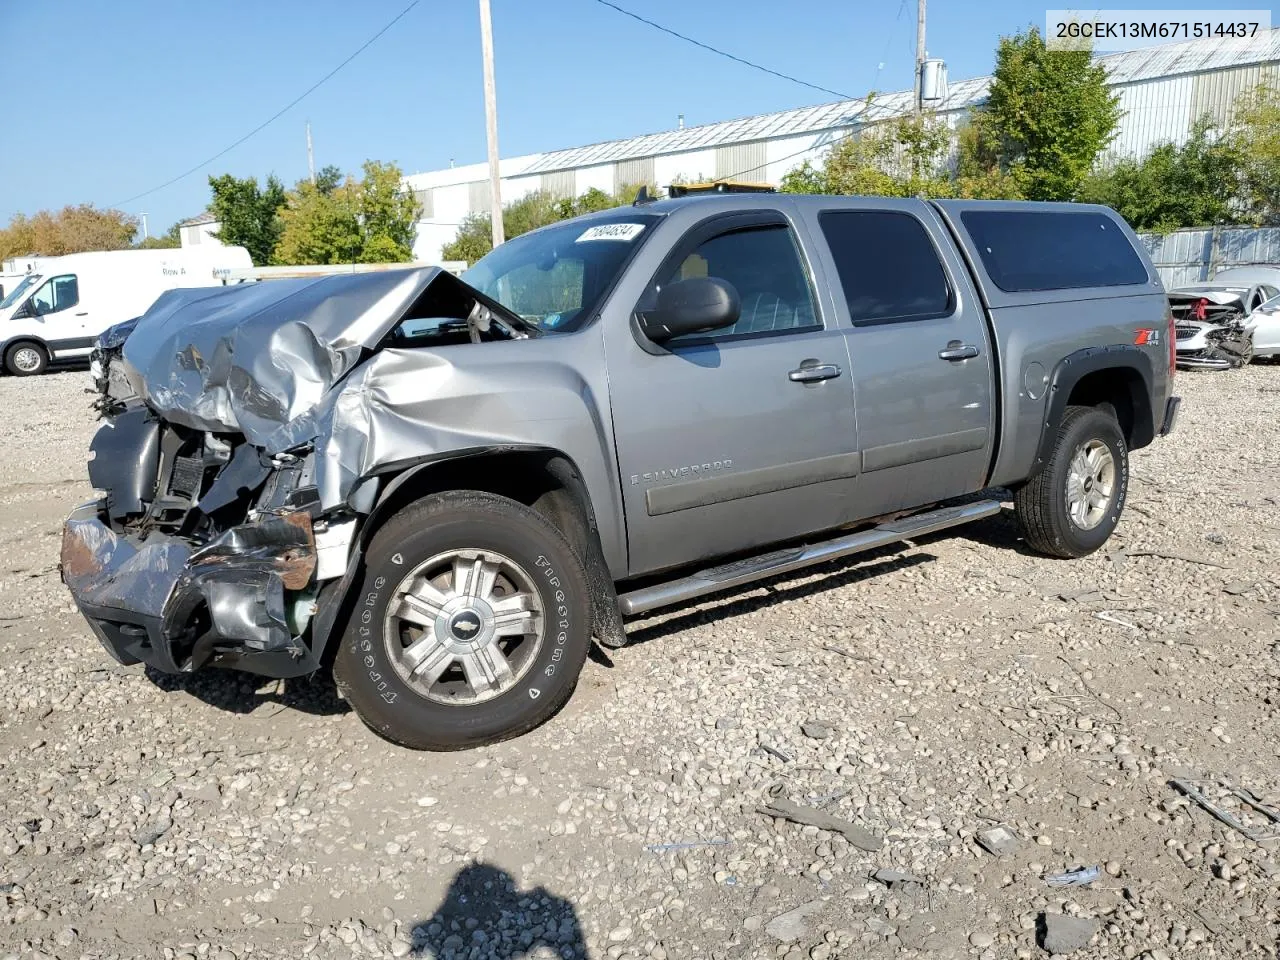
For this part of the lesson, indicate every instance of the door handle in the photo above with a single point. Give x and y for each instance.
(810, 371)
(84, 314)
(955, 350)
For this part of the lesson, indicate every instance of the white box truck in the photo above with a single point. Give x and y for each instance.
(57, 311)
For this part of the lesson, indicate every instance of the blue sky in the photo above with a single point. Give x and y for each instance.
(106, 100)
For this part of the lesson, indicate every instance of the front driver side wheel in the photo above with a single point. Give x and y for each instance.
(471, 626)
(1071, 506)
(26, 359)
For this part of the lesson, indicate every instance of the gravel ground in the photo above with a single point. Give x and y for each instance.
(925, 694)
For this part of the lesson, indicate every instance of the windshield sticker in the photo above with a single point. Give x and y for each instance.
(611, 231)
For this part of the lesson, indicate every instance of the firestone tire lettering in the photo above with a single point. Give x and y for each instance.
(466, 520)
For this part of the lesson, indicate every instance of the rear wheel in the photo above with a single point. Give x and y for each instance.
(26, 358)
(1071, 506)
(472, 625)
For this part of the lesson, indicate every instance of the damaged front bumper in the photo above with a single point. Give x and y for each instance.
(240, 600)
(1203, 360)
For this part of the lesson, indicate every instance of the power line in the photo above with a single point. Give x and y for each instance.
(706, 46)
(278, 114)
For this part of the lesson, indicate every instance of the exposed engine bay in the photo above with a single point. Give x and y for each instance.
(233, 476)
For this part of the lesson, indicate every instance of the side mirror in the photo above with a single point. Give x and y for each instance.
(696, 305)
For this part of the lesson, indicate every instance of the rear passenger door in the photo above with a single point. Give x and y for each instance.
(745, 436)
(919, 351)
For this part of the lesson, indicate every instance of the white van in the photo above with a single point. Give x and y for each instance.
(57, 311)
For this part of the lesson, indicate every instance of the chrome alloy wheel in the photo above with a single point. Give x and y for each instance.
(1091, 483)
(464, 627)
(27, 359)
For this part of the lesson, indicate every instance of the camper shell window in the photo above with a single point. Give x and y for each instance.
(1027, 250)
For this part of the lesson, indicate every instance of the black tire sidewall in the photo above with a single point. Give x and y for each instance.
(11, 368)
(394, 709)
(1091, 425)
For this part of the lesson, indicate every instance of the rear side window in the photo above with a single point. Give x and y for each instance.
(1026, 250)
(889, 270)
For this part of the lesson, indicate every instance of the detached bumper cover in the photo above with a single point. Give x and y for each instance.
(176, 607)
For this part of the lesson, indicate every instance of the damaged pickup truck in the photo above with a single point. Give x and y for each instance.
(441, 489)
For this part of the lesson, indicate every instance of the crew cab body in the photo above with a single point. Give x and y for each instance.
(868, 359)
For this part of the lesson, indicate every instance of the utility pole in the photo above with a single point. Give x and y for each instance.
(918, 104)
(311, 157)
(491, 123)
(145, 235)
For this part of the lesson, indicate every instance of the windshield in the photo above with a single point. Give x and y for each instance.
(554, 278)
(20, 291)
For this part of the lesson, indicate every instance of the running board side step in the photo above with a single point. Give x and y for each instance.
(730, 575)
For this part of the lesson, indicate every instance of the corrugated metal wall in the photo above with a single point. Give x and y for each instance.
(744, 160)
(1190, 256)
(478, 196)
(1215, 93)
(562, 184)
(631, 172)
(427, 199)
(1153, 112)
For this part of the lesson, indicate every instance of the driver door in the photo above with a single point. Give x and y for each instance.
(743, 437)
(56, 306)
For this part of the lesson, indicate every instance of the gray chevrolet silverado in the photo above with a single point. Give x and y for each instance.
(442, 488)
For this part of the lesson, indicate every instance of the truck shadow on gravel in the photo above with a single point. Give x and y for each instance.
(244, 693)
(999, 531)
(484, 908)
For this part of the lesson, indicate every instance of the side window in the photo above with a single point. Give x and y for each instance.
(57, 293)
(763, 265)
(889, 269)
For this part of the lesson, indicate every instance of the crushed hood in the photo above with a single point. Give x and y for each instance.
(1220, 295)
(253, 357)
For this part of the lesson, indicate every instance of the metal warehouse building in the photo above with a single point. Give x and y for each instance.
(1163, 91)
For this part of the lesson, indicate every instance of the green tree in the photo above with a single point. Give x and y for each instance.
(329, 179)
(166, 241)
(73, 229)
(388, 214)
(1195, 185)
(473, 240)
(372, 220)
(902, 157)
(533, 210)
(248, 216)
(1048, 116)
(318, 227)
(1255, 135)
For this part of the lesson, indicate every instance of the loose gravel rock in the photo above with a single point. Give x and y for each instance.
(926, 693)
